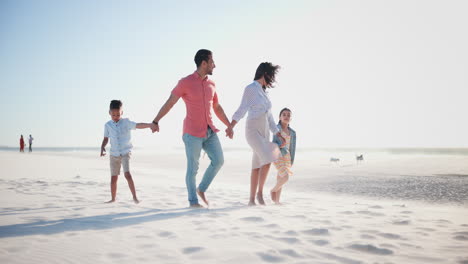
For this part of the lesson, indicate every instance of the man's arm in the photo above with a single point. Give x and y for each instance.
(219, 111)
(171, 101)
(103, 146)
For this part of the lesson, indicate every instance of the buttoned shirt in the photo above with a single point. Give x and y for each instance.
(119, 136)
(199, 96)
(256, 102)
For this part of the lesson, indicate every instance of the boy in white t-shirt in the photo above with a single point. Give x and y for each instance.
(118, 130)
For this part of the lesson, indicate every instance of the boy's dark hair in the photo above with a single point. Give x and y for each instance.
(202, 55)
(115, 104)
(268, 71)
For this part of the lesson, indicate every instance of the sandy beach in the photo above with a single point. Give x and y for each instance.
(391, 208)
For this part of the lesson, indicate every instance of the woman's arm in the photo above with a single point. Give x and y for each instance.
(248, 98)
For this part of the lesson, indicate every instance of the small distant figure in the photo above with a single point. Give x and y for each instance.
(30, 143)
(359, 158)
(21, 144)
(118, 130)
(335, 160)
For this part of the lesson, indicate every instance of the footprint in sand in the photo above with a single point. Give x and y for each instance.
(116, 255)
(252, 219)
(319, 242)
(289, 240)
(291, 233)
(370, 213)
(269, 257)
(191, 250)
(390, 236)
(410, 245)
(401, 222)
(316, 232)
(387, 246)
(166, 234)
(367, 236)
(443, 221)
(291, 253)
(461, 236)
(271, 226)
(371, 249)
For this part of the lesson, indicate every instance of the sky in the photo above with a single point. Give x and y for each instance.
(354, 73)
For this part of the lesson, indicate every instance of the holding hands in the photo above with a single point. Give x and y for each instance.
(154, 127)
(229, 132)
(283, 141)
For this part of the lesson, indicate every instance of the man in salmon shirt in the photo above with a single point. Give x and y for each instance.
(199, 95)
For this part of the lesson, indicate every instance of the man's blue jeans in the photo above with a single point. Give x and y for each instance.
(193, 146)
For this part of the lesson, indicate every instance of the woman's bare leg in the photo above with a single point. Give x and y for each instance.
(261, 182)
(253, 185)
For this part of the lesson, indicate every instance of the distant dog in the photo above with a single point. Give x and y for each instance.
(359, 158)
(336, 160)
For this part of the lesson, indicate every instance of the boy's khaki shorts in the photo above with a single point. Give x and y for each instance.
(116, 162)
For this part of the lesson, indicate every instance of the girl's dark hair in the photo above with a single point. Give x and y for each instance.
(115, 104)
(282, 110)
(268, 71)
(202, 55)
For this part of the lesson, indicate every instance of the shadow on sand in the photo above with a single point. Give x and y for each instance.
(101, 222)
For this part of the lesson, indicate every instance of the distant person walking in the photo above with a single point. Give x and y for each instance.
(30, 143)
(21, 144)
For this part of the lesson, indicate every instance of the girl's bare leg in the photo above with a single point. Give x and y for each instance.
(276, 191)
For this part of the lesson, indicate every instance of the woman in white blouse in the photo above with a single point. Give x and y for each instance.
(260, 122)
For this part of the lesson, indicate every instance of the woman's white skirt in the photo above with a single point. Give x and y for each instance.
(257, 134)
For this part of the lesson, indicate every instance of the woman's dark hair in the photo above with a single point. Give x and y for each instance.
(268, 71)
(115, 104)
(282, 110)
(202, 55)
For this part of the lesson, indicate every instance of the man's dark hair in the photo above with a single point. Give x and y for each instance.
(115, 104)
(268, 71)
(202, 55)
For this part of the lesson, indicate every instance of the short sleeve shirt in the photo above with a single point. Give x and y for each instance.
(119, 136)
(199, 96)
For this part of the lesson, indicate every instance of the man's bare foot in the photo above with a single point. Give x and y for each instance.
(135, 200)
(252, 203)
(202, 196)
(260, 199)
(196, 206)
(111, 201)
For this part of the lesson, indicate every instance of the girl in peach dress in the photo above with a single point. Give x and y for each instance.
(288, 151)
